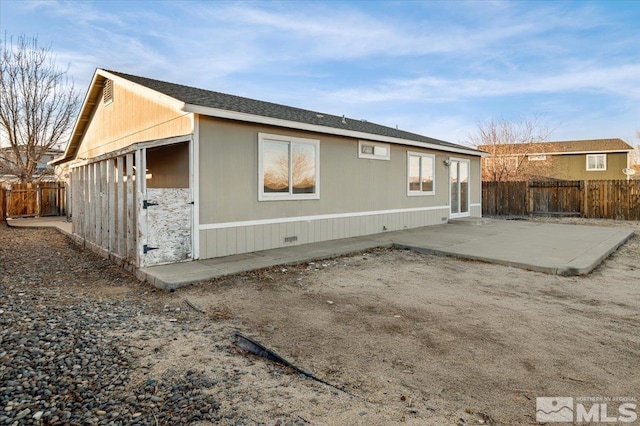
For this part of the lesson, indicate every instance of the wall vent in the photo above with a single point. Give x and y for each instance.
(291, 239)
(107, 92)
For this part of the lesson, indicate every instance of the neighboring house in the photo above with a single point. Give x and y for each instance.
(43, 172)
(567, 160)
(227, 175)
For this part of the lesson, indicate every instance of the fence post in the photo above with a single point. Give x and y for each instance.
(38, 200)
(583, 198)
(58, 199)
(3, 205)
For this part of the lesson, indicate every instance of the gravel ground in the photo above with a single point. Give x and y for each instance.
(69, 323)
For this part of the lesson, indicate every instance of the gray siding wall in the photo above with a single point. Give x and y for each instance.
(371, 193)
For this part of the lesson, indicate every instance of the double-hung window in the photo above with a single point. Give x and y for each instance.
(421, 174)
(289, 168)
(596, 162)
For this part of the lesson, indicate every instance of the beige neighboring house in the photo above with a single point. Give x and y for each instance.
(43, 171)
(163, 173)
(593, 159)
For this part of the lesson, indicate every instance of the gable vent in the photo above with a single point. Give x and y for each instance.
(107, 92)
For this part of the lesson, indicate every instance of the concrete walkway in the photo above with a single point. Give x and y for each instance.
(59, 222)
(544, 247)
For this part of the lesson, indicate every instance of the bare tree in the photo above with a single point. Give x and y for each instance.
(276, 174)
(510, 143)
(37, 106)
(635, 160)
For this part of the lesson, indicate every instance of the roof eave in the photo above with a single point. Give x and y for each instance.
(77, 134)
(259, 119)
(66, 156)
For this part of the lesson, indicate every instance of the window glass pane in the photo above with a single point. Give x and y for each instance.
(275, 157)
(596, 162)
(414, 173)
(427, 173)
(464, 186)
(382, 151)
(304, 168)
(453, 173)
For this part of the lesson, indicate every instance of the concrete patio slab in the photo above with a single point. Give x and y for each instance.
(551, 248)
(544, 247)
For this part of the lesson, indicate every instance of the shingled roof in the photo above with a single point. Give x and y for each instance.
(560, 147)
(210, 99)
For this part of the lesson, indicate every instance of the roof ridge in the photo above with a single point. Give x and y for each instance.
(124, 75)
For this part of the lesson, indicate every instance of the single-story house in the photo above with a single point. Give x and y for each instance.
(162, 173)
(593, 159)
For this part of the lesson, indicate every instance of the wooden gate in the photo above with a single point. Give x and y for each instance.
(555, 197)
(35, 199)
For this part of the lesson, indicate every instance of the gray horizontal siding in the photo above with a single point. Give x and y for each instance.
(229, 177)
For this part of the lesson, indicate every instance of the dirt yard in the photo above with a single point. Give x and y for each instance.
(411, 338)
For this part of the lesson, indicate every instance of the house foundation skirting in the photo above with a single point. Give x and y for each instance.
(218, 240)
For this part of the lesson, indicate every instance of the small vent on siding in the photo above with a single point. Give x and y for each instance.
(291, 239)
(107, 92)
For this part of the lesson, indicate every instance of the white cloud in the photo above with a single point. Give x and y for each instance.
(427, 66)
(623, 81)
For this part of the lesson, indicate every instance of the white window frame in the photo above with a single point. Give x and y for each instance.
(595, 169)
(537, 157)
(375, 145)
(265, 196)
(420, 192)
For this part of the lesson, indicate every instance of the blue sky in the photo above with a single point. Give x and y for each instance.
(435, 68)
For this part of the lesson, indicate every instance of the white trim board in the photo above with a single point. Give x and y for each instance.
(172, 140)
(315, 217)
(194, 170)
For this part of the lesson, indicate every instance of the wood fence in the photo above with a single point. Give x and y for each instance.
(601, 199)
(33, 199)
